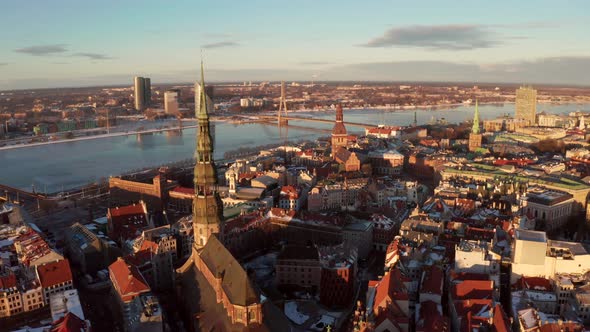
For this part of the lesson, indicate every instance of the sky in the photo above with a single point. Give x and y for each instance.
(67, 43)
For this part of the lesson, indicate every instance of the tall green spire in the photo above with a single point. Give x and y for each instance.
(202, 112)
(207, 205)
(475, 128)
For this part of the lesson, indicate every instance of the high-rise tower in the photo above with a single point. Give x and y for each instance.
(143, 92)
(147, 92)
(526, 104)
(139, 93)
(207, 206)
(339, 135)
(475, 137)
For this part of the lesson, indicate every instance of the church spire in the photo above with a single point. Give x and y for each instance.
(475, 128)
(207, 206)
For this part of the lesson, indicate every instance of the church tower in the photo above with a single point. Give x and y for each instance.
(207, 206)
(475, 137)
(339, 135)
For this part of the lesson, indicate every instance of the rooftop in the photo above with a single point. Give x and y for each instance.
(299, 253)
(533, 236)
(493, 171)
(54, 273)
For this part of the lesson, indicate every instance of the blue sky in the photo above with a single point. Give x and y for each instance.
(82, 43)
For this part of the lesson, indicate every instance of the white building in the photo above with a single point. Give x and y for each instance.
(477, 257)
(533, 255)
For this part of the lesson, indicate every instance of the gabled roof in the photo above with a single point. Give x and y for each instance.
(430, 318)
(234, 279)
(391, 286)
(54, 273)
(534, 283)
(127, 279)
(127, 210)
(432, 282)
(477, 307)
(149, 245)
(184, 190)
(69, 323)
(500, 321)
(472, 289)
(8, 281)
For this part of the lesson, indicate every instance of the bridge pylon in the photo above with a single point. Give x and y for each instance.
(282, 107)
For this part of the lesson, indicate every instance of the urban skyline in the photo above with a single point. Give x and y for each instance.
(328, 41)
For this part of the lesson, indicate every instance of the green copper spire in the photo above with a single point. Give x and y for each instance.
(202, 111)
(475, 128)
(207, 205)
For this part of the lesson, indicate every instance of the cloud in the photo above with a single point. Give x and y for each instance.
(93, 56)
(41, 50)
(220, 44)
(566, 70)
(314, 63)
(3, 63)
(438, 37)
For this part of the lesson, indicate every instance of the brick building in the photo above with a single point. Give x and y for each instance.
(338, 278)
(127, 222)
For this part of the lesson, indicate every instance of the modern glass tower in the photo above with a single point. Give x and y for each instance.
(143, 93)
(139, 93)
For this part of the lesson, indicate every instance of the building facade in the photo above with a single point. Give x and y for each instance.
(526, 104)
(171, 102)
(299, 266)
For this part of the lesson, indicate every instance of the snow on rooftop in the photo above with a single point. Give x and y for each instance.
(293, 314)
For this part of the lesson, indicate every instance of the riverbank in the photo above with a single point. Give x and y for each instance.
(92, 137)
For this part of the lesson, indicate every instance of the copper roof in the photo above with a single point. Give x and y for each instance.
(234, 279)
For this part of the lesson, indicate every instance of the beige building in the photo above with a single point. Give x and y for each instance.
(533, 255)
(526, 104)
(171, 102)
(299, 266)
(550, 207)
(504, 124)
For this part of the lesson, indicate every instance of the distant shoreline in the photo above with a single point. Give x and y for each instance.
(86, 138)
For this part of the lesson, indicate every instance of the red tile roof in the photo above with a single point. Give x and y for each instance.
(127, 210)
(430, 319)
(390, 287)
(140, 258)
(472, 289)
(149, 246)
(127, 221)
(534, 283)
(290, 191)
(184, 190)
(473, 306)
(54, 273)
(127, 280)
(500, 321)
(69, 323)
(433, 280)
(565, 326)
(8, 281)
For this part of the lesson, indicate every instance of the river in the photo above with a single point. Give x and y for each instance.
(56, 167)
